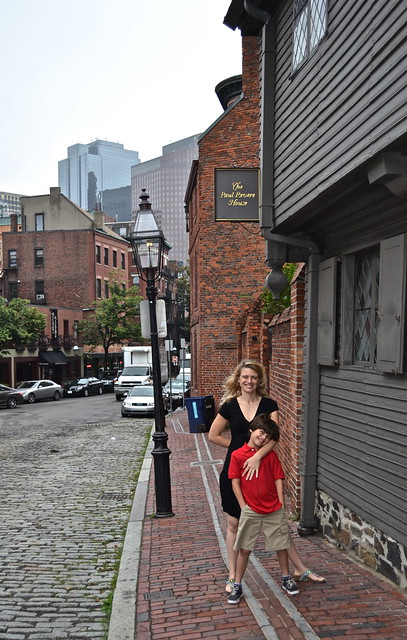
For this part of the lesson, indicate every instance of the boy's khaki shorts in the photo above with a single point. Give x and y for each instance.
(274, 525)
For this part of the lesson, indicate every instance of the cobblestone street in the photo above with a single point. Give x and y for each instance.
(65, 498)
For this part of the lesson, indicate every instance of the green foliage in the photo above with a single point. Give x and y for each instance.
(272, 306)
(20, 324)
(113, 319)
(183, 291)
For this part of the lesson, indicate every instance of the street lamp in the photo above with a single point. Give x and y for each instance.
(147, 243)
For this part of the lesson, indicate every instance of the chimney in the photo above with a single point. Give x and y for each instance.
(229, 91)
(13, 222)
(98, 219)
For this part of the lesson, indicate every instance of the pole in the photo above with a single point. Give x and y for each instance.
(160, 453)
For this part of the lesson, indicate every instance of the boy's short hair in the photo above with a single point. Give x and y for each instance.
(266, 424)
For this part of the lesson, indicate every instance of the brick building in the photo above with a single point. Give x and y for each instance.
(227, 259)
(61, 262)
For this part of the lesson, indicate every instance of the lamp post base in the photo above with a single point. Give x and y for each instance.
(161, 456)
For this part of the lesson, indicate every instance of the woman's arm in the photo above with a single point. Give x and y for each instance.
(252, 464)
(215, 432)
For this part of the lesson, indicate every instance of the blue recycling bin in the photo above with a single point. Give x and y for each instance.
(201, 413)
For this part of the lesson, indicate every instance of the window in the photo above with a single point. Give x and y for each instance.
(39, 222)
(98, 254)
(107, 292)
(114, 258)
(39, 291)
(365, 308)
(98, 288)
(106, 256)
(310, 23)
(38, 257)
(12, 290)
(123, 259)
(76, 329)
(12, 258)
(372, 308)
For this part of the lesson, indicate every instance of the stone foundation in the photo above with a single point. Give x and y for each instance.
(349, 532)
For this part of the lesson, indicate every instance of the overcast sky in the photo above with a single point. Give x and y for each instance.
(138, 72)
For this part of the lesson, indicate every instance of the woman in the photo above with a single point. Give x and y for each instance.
(245, 397)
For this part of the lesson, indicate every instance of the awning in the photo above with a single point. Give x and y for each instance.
(51, 357)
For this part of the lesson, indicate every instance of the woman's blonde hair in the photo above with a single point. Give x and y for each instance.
(232, 386)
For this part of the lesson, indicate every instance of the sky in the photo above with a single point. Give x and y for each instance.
(142, 73)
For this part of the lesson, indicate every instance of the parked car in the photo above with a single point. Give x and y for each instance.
(186, 375)
(108, 380)
(140, 401)
(33, 390)
(83, 387)
(10, 397)
(177, 390)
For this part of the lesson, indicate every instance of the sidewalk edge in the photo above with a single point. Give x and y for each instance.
(123, 614)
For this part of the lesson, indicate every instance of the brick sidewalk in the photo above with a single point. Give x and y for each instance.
(181, 579)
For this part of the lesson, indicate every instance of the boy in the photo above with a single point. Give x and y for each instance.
(262, 502)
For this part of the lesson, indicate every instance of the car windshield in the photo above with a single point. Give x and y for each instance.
(27, 385)
(135, 371)
(142, 391)
(175, 384)
(82, 381)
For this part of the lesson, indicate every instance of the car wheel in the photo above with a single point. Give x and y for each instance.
(100, 391)
(56, 395)
(86, 393)
(31, 398)
(11, 403)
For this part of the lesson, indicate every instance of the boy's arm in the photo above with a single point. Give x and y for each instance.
(280, 490)
(238, 492)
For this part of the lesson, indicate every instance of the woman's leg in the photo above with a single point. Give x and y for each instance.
(231, 531)
(301, 572)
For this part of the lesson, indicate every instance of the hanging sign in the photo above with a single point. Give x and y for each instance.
(237, 195)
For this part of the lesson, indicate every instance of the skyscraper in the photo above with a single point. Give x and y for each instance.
(166, 179)
(90, 169)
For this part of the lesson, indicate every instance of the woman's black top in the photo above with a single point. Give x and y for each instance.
(239, 429)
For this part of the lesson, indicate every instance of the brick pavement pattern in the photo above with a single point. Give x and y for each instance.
(180, 591)
(65, 498)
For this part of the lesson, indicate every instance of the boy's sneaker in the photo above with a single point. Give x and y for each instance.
(290, 586)
(236, 594)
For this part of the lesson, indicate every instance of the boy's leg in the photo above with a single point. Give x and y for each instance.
(242, 560)
(282, 557)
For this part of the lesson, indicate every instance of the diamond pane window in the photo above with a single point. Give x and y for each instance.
(310, 23)
(366, 300)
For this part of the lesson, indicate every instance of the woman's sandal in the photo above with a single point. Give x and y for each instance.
(229, 585)
(308, 575)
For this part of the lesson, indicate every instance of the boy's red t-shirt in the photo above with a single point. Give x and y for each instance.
(259, 493)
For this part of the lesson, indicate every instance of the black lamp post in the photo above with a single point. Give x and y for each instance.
(147, 242)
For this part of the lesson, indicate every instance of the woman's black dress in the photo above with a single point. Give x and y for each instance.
(239, 428)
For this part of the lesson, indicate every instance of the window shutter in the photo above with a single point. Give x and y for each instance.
(326, 312)
(392, 285)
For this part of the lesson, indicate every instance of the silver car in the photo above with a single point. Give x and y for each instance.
(33, 390)
(140, 401)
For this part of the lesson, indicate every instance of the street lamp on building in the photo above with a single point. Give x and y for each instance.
(147, 242)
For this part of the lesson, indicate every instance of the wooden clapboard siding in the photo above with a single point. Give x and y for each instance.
(362, 447)
(343, 105)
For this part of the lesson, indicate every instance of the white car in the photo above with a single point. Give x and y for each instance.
(33, 390)
(140, 401)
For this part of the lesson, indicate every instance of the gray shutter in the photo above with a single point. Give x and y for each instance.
(392, 286)
(326, 312)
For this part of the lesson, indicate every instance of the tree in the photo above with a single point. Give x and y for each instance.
(113, 320)
(270, 304)
(183, 292)
(20, 324)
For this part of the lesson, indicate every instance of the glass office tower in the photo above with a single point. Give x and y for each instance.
(92, 168)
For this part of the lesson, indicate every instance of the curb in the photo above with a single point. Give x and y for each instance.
(123, 616)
